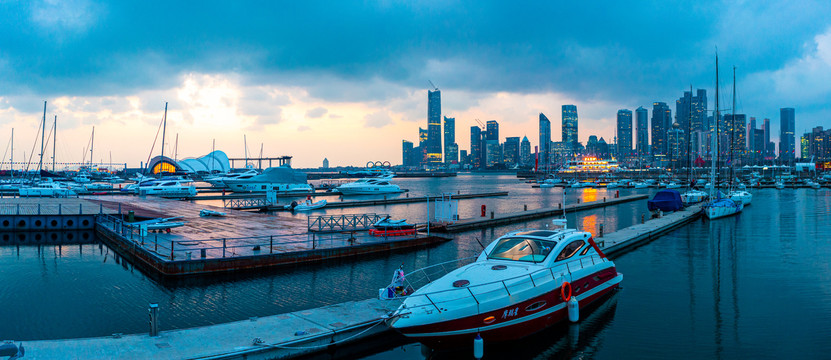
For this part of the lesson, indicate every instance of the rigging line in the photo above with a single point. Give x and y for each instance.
(147, 164)
(29, 162)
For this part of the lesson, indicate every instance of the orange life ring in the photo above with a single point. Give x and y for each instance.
(563, 291)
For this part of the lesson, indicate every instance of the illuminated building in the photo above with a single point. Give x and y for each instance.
(786, 134)
(451, 150)
(570, 125)
(624, 133)
(433, 154)
(545, 141)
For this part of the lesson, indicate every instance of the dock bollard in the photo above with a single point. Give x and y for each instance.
(483, 210)
(154, 319)
(578, 200)
(203, 253)
(559, 205)
(643, 218)
(604, 199)
(491, 214)
(600, 231)
(525, 207)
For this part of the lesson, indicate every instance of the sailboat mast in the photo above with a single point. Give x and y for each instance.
(91, 146)
(42, 136)
(11, 160)
(54, 140)
(245, 144)
(733, 129)
(176, 148)
(689, 138)
(164, 128)
(714, 141)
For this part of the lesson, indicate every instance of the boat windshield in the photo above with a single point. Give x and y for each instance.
(522, 249)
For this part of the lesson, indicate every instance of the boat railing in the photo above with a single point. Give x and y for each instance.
(420, 277)
(509, 286)
(172, 247)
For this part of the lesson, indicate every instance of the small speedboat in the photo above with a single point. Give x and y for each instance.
(388, 227)
(780, 185)
(641, 185)
(522, 283)
(673, 185)
(208, 213)
(305, 205)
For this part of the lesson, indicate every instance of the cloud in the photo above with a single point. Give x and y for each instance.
(316, 112)
(302, 128)
(378, 119)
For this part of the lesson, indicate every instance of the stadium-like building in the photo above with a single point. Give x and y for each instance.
(215, 162)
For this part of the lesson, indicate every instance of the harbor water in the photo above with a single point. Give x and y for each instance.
(754, 285)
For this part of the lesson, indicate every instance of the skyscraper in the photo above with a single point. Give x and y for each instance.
(433, 126)
(736, 141)
(787, 121)
(449, 140)
(511, 151)
(524, 151)
(769, 146)
(475, 146)
(624, 133)
(406, 152)
(642, 124)
(570, 125)
(492, 130)
(661, 120)
(545, 141)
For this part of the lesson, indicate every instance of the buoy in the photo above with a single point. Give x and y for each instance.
(478, 347)
(573, 309)
(563, 288)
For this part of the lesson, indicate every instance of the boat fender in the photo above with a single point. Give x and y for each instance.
(573, 309)
(478, 347)
(563, 291)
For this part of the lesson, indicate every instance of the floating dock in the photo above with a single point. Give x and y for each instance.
(237, 241)
(507, 218)
(262, 206)
(272, 337)
(49, 214)
(624, 239)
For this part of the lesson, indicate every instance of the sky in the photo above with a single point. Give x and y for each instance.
(348, 80)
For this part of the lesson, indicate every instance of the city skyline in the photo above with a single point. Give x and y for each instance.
(263, 75)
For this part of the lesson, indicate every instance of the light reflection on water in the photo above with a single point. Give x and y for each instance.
(706, 290)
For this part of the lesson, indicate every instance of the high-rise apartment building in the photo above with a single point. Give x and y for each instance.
(450, 156)
(736, 142)
(422, 145)
(492, 128)
(570, 125)
(787, 124)
(510, 153)
(661, 120)
(524, 151)
(545, 141)
(475, 147)
(406, 152)
(433, 127)
(642, 128)
(624, 133)
(770, 147)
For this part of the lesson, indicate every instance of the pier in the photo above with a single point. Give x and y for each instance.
(507, 218)
(262, 205)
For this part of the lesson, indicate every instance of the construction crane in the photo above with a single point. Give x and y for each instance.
(435, 88)
(481, 125)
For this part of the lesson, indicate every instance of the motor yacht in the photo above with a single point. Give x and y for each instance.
(46, 189)
(369, 186)
(519, 285)
(741, 196)
(219, 180)
(693, 196)
(780, 185)
(281, 179)
(168, 188)
(82, 178)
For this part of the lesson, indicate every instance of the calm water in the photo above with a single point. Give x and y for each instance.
(754, 285)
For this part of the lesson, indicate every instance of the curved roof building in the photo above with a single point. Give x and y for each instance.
(216, 161)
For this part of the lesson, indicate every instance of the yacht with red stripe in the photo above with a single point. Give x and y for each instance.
(519, 285)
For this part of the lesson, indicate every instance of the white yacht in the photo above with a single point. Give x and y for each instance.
(741, 196)
(693, 196)
(369, 186)
(168, 188)
(282, 179)
(46, 189)
(82, 178)
(219, 180)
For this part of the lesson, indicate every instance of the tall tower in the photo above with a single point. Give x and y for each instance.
(449, 140)
(624, 133)
(787, 143)
(545, 141)
(570, 126)
(492, 130)
(433, 126)
(661, 121)
(476, 146)
(642, 124)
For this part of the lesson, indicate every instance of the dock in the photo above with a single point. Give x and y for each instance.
(272, 337)
(625, 239)
(239, 240)
(507, 218)
(373, 202)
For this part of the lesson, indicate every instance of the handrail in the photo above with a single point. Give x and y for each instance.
(565, 266)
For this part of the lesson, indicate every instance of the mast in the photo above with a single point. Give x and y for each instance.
(42, 135)
(245, 143)
(714, 141)
(164, 128)
(733, 130)
(11, 160)
(54, 140)
(91, 146)
(176, 148)
(213, 156)
(689, 139)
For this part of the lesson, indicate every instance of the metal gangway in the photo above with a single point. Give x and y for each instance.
(345, 222)
(244, 204)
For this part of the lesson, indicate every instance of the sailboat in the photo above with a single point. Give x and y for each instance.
(737, 194)
(692, 195)
(718, 206)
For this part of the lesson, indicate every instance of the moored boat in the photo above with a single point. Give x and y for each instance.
(519, 285)
(388, 227)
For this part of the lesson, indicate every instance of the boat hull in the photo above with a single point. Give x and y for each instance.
(461, 332)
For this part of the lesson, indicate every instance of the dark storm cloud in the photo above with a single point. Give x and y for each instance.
(351, 51)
